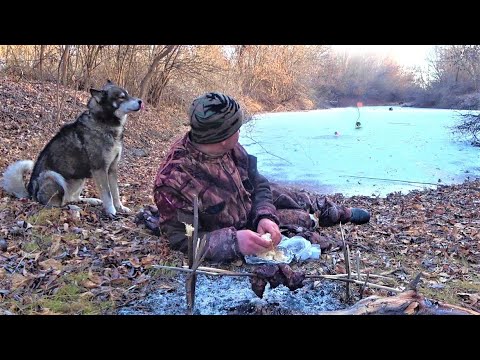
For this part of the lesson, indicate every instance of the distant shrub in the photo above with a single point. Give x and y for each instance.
(469, 127)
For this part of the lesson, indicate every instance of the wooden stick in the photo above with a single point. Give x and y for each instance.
(354, 281)
(358, 263)
(347, 264)
(205, 272)
(341, 277)
(192, 247)
(200, 255)
(221, 272)
(189, 282)
(362, 288)
(336, 276)
(185, 270)
(195, 225)
(414, 283)
(362, 275)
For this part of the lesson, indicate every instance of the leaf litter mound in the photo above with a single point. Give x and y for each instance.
(73, 260)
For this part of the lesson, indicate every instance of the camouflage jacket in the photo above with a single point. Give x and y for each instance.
(232, 195)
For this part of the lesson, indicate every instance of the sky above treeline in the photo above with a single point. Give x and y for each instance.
(406, 55)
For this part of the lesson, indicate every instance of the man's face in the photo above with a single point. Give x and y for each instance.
(230, 142)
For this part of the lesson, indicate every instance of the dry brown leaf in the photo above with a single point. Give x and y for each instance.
(19, 280)
(29, 255)
(411, 309)
(47, 311)
(87, 295)
(56, 240)
(147, 260)
(97, 279)
(89, 284)
(135, 262)
(121, 281)
(50, 264)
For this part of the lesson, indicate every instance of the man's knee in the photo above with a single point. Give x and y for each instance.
(294, 217)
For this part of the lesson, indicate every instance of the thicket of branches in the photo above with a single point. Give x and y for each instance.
(469, 126)
(264, 77)
(454, 83)
(301, 76)
(453, 78)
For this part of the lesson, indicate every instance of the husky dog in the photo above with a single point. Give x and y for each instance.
(89, 147)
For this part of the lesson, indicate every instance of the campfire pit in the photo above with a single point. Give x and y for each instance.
(226, 295)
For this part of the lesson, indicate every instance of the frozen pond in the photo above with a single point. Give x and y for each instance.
(406, 146)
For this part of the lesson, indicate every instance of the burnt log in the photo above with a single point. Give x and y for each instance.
(406, 303)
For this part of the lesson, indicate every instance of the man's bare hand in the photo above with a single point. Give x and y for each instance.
(250, 243)
(268, 226)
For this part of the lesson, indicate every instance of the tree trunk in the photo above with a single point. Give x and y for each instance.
(90, 54)
(121, 59)
(40, 61)
(63, 66)
(151, 69)
(61, 75)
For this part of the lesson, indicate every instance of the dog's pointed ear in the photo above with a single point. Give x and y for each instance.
(108, 84)
(97, 94)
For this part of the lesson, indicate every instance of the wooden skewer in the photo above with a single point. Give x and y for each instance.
(200, 270)
(354, 281)
(221, 272)
(346, 255)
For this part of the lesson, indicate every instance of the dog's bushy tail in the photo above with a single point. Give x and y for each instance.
(13, 178)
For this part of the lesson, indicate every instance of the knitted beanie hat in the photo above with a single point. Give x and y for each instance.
(214, 117)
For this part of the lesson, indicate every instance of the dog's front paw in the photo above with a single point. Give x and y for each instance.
(111, 211)
(92, 201)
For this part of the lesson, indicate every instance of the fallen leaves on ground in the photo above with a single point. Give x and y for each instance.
(435, 232)
(74, 260)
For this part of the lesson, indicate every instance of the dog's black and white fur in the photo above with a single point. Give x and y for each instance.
(91, 146)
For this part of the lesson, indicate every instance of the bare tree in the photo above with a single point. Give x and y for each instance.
(40, 61)
(90, 59)
(61, 76)
(159, 55)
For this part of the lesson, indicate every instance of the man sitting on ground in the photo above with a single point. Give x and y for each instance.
(236, 205)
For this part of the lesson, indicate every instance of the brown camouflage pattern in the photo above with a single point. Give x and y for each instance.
(294, 207)
(231, 195)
